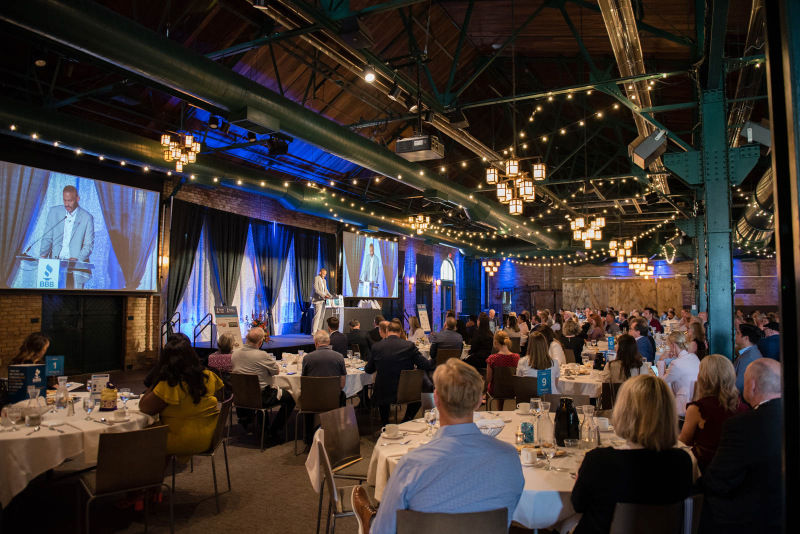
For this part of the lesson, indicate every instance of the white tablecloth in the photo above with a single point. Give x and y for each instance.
(24, 456)
(590, 384)
(356, 381)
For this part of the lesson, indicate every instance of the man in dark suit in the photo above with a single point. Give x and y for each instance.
(324, 361)
(447, 338)
(389, 357)
(338, 341)
(743, 484)
(357, 337)
(375, 333)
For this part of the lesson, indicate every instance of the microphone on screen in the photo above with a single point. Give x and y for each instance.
(43, 234)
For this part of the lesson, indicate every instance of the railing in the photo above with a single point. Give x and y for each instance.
(206, 322)
(168, 326)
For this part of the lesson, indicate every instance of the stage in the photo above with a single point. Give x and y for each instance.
(276, 345)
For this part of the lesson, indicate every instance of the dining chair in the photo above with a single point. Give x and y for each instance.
(317, 394)
(409, 389)
(525, 388)
(682, 517)
(128, 462)
(427, 402)
(489, 522)
(339, 500)
(569, 356)
(217, 439)
(554, 400)
(609, 394)
(343, 443)
(442, 355)
(247, 396)
(516, 344)
(502, 386)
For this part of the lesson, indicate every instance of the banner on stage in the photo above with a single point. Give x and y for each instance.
(422, 314)
(227, 321)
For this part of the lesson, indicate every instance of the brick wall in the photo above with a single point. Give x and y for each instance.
(141, 324)
(19, 310)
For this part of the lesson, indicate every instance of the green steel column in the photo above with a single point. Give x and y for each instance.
(718, 222)
(701, 257)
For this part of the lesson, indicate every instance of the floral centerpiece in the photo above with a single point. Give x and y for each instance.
(258, 320)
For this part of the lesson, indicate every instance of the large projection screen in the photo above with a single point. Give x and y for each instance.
(370, 266)
(65, 232)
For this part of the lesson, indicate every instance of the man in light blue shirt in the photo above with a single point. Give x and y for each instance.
(460, 470)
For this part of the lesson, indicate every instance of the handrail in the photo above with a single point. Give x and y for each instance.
(168, 326)
(206, 322)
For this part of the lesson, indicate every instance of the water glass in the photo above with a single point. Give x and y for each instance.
(549, 449)
(545, 408)
(88, 407)
(125, 394)
(14, 414)
(431, 416)
(585, 360)
(349, 354)
(536, 406)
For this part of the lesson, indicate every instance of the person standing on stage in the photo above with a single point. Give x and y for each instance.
(69, 235)
(318, 297)
(368, 280)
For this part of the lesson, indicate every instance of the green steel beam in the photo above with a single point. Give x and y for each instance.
(689, 165)
(642, 26)
(500, 50)
(715, 50)
(343, 10)
(587, 57)
(669, 107)
(416, 52)
(448, 97)
(261, 41)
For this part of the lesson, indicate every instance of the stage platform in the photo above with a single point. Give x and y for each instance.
(276, 345)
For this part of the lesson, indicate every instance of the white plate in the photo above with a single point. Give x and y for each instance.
(118, 420)
(401, 435)
(53, 422)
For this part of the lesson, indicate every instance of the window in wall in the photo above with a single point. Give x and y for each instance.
(447, 272)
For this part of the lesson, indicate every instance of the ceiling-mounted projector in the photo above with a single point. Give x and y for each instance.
(419, 148)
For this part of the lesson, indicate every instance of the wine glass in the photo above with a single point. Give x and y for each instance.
(545, 408)
(536, 406)
(349, 354)
(431, 417)
(585, 360)
(15, 414)
(549, 450)
(88, 407)
(125, 394)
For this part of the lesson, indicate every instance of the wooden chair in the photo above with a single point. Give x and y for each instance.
(569, 356)
(490, 522)
(339, 500)
(525, 388)
(409, 389)
(247, 396)
(502, 386)
(427, 401)
(682, 517)
(442, 355)
(218, 438)
(317, 394)
(515, 344)
(128, 462)
(343, 443)
(555, 399)
(609, 395)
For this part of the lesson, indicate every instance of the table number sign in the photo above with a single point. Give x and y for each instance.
(99, 383)
(544, 382)
(20, 376)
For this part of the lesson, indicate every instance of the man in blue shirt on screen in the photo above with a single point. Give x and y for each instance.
(460, 470)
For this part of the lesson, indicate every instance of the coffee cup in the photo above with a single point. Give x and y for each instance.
(524, 408)
(602, 423)
(528, 455)
(391, 431)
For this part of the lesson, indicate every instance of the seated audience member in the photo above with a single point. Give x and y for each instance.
(685, 320)
(512, 328)
(595, 331)
(220, 361)
(356, 336)
(649, 470)
(482, 343)
(628, 363)
(652, 322)
(770, 344)
(32, 349)
(390, 356)
(696, 340)
(743, 483)
(682, 373)
(538, 359)
(646, 345)
(554, 348)
(611, 327)
(747, 337)
(623, 321)
(537, 322)
(502, 357)
(558, 323)
(571, 338)
(338, 341)
(415, 331)
(251, 360)
(717, 399)
(375, 333)
(461, 328)
(469, 329)
(446, 338)
(402, 331)
(183, 395)
(323, 362)
(460, 470)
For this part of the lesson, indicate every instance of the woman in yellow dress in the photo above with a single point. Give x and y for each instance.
(183, 395)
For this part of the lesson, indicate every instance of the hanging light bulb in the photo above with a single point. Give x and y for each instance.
(612, 245)
(580, 222)
(576, 235)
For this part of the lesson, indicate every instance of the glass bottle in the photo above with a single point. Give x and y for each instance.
(62, 394)
(566, 421)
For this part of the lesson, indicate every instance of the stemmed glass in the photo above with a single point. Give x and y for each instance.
(125, 394)
(431, 416)
(536, 406)
(549, 450)
(15, 414)
(88, 407)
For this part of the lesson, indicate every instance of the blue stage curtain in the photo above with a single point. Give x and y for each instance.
(271, 242)
(185, 228)
(133, 243)
(21, 191)
(227, 235)
(389, 257)
(471, 302)
(306, 260)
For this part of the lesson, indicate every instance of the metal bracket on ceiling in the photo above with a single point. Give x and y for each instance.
(688, 165)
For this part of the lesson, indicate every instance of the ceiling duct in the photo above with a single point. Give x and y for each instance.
(756, 226)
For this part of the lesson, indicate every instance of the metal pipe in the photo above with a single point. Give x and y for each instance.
(755, 228)
(112, 38)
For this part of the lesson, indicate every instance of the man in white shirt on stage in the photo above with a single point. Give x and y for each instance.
(69, 235)
(368, 280)
(318, 296)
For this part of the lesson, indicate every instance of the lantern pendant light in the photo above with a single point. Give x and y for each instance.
(515, 206)
(539, 171)
(491, 176)
(512, 166)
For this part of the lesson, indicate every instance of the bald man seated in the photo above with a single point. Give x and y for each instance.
(743, 483)
(251, 360)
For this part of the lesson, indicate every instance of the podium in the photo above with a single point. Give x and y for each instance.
(53, 273)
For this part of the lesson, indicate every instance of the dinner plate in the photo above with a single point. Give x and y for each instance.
(119, 420)
(401, 435)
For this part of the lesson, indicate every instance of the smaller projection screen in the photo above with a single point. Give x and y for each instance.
(370, 267)
(65, 232)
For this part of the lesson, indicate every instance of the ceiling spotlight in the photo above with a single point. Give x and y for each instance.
(213, 123)
(251, 137)
(40, 62)
(395, 94)
(369, 75)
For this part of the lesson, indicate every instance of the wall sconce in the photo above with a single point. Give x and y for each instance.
(410, 282)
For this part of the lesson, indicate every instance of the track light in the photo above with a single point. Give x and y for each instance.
(369, 75)
(395, 94)
(213, 123)
(251, 137)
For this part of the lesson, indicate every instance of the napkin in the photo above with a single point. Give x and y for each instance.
(490, 423)
(413, 426)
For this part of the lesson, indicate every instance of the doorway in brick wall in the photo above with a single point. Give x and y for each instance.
(86, 329)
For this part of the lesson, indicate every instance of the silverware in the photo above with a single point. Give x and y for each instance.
(401, 443)
(35, 429)
(56, 429)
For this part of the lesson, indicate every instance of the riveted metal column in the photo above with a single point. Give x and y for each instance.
(718, 222)
(701, 258)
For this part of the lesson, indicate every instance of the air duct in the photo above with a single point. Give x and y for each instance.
(104, 34)
(755, 228)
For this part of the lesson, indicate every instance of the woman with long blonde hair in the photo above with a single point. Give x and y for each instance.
(539, 359)
(716, 399)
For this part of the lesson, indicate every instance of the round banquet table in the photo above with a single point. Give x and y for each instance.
(355, 381)
(24, 454)
(425, 350)
(545, 500)
(590, 384)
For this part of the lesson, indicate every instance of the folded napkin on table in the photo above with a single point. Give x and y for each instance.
(413, 426)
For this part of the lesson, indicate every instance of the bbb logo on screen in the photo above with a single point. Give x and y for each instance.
(47, 275)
